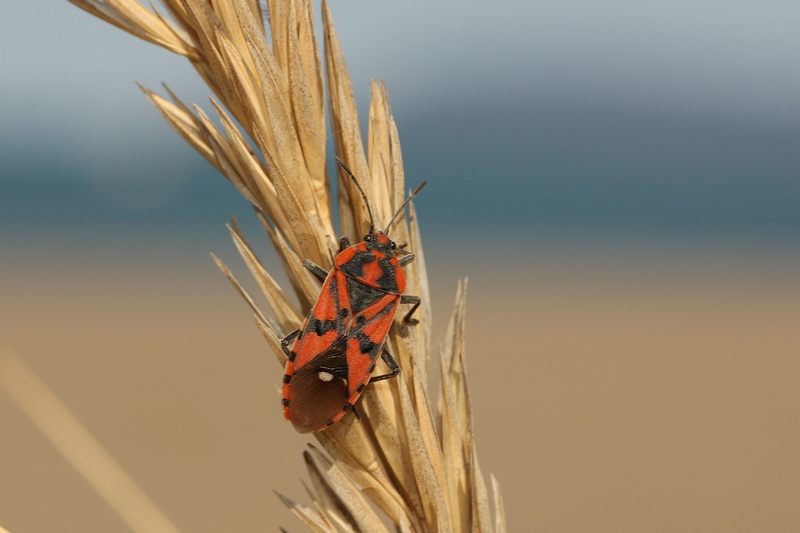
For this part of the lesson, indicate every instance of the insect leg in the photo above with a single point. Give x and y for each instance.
(319, 272)
(406, 259)
(408, 299)
(287, 340)
(391, 363)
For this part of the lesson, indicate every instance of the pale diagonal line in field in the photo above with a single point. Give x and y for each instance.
(79, 447)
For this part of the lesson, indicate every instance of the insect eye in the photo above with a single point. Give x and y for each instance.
(393, 245)
(368, 238)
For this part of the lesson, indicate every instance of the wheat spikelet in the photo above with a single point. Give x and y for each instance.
(416, 465)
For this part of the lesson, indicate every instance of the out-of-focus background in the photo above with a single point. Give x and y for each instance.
(618, 179)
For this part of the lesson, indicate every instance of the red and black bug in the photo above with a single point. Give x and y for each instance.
(335, 350)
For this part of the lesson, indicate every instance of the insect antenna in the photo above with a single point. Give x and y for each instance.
(363, 195)
(410, 197)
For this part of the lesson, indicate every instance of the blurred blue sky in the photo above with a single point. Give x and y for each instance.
(619, 116)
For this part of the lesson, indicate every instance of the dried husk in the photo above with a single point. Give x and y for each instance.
(416, 466)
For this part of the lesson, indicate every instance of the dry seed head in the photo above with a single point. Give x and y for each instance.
(418, 467)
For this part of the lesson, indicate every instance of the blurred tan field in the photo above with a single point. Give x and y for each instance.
(617, 387)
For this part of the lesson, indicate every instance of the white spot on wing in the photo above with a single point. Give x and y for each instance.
(325, 376)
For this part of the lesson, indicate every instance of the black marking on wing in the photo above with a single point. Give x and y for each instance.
(362, 296)
(320, 327)
(365, 344)
(362, 321)
(388, 280)
(355, 267)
